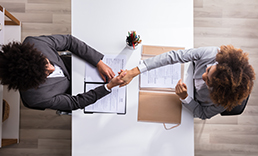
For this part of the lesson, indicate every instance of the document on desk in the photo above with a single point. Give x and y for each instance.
(115, 62)
(115, 102)
(112, 103)
(162, 77)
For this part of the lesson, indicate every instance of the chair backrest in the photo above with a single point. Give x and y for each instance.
(236, 110)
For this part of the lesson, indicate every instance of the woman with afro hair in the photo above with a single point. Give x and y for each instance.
(223, 77)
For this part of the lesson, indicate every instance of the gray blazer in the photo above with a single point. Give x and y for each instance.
(53, 93)
(201, 105)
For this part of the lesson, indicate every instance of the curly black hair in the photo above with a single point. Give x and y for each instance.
(234, 77)
(22, 66)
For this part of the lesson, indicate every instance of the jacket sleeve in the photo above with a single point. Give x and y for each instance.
(201, 111)
(70, 43)
(65, 101)
(68, 102)
(180, 56)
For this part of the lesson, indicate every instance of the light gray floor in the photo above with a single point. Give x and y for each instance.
(216, 22)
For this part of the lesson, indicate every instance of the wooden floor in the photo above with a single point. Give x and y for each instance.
(216, 22)
(42, 133)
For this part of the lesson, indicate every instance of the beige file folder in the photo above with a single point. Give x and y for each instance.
(162, 107)
(157, 104)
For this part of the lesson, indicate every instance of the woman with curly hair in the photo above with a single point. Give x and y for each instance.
(233, 79)
(42, 77)
(223, 77)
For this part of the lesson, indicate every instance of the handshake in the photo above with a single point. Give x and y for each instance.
(124, 78)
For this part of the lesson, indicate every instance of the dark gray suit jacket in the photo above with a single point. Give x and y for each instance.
(53, 93)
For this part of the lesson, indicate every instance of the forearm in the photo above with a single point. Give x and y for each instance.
(134, 72)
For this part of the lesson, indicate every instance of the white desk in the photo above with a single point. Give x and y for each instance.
(104, 26)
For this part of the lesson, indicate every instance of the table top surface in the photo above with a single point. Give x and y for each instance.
(104, 26)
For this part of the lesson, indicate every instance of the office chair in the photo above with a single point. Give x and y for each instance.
(66, 57)
(236, 110)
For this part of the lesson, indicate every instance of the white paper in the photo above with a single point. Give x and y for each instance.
(162, 77)
(112, 103)
(115, 62)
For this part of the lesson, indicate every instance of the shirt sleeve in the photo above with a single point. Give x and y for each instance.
(142, 67)
(187, 100)
(107, 88)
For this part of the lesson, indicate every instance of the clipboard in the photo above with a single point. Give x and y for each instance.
(119, 108)
(115, 102)
(159, 105)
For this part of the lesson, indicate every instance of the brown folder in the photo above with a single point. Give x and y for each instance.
(156, 104)
(162, 107)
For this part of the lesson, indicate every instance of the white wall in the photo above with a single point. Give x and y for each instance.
(9, 129)
(1, 87)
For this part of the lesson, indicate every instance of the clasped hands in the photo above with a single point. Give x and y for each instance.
(107, 74)
(126, 76)
(181, 88)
